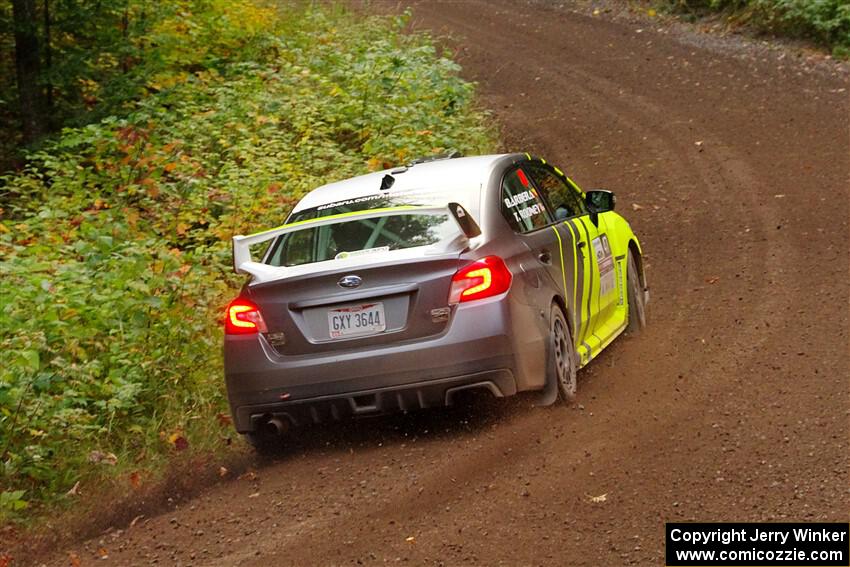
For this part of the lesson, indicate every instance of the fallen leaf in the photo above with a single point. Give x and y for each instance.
(223, 472)
(410, 539)
(250, 475)
(712, 279)
(75, 490)
(136, 519)
(99, 457)
(651, 13)
(103, 553)
(255, 495)
(5, 560)
(73, 559)
(181, 444)
(135, 479)
(132, 216)
(224, 419)
(600, 498)
(636, 207)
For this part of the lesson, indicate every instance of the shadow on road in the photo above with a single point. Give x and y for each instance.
(471, 414)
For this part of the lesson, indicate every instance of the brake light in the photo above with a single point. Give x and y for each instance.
(486, 277)
(243, 318)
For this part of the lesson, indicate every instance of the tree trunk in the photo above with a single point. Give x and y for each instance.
(48, 63)
(28, 66)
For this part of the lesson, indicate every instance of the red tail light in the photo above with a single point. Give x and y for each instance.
(483, 278)
(243, 318)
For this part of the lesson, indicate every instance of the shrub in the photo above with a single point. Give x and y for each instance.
(824, 21)
(114, 238)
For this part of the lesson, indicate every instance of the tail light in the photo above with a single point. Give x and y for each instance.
(486, 277)
(243, 318)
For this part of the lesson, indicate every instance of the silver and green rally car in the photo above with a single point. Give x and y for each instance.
(399, 289)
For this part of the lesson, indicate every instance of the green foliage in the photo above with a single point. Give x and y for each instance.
(12, 501)
(824, 21)
(114, 238)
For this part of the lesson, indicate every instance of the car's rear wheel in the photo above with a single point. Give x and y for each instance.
(637, 298)
(563, 359)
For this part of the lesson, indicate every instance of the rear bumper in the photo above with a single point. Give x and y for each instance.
(432, 393)
(474, 351)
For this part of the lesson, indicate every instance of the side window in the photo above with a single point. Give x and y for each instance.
(522, 207)
(565, 201)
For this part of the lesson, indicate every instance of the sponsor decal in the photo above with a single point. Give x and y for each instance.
(605, 261)
(354, 253)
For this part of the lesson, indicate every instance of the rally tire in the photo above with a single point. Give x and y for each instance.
(637, 298)
(562, 360)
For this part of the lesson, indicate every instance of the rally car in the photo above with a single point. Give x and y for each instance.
(397, 290)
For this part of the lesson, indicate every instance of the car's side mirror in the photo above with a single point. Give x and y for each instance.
(599, 201)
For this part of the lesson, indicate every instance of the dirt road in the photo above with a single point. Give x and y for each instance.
(733, 406)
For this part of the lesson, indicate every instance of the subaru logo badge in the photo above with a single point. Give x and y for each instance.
(349, 281)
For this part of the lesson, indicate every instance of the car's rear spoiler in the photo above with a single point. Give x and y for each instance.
(243, 263)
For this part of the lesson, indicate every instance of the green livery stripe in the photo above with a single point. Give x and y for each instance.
(590, 293)
(561, 248)
(575, 186)
(575, 311)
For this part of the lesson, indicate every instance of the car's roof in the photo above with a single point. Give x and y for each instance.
(461, 176)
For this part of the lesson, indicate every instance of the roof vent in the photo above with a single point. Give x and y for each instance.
(387, 182)
(448, 155)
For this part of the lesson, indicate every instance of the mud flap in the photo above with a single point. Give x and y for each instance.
(549, 394)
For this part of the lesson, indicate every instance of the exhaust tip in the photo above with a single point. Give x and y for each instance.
(276, 426)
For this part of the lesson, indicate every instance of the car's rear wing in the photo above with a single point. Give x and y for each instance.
(244, 263)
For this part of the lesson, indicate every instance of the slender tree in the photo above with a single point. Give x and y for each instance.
(33, 105)
(48, 63)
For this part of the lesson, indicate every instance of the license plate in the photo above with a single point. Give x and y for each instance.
(356, 320)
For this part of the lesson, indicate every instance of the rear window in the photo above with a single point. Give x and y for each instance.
(360, 236)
